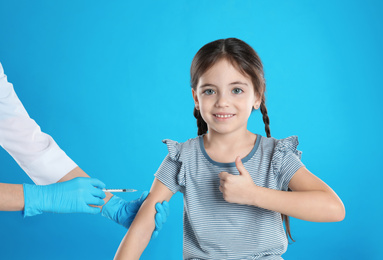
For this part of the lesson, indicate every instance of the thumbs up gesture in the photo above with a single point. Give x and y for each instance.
(237, 188)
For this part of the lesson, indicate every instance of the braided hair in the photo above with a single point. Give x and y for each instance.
(244, 58)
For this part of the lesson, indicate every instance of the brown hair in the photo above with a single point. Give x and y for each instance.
(244, 58)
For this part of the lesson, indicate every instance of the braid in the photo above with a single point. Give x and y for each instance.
(265, 117)
(287, 225)
(266, 120)
(201, 124)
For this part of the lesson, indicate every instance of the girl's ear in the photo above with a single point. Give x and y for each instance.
(257, 103)
(196, 103)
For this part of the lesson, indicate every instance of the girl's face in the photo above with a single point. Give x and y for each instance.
(225, 98)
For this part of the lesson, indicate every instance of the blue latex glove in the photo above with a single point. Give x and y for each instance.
(72, 196)
(123, 212)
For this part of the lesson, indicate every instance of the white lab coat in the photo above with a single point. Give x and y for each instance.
(36, 152)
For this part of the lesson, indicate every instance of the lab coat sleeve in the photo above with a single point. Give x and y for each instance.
(36, 152)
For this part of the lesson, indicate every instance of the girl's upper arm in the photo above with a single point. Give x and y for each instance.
(139, 233)
(159, 191)
(304, 180)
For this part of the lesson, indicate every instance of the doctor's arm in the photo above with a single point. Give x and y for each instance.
(45, 163)
(11, 197)
(138, 236)
(68, 197)
(72, 194)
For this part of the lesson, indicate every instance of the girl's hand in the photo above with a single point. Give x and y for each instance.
(237, 188)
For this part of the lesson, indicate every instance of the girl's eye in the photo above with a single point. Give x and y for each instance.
(209, 92)
(237, 91)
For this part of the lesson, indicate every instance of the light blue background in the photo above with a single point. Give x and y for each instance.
(110, 79)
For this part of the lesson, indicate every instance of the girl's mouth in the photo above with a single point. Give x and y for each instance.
(224, 115)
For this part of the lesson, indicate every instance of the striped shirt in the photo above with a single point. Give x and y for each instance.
(214, 228)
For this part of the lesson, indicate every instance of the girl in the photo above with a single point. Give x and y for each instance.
(236, 184)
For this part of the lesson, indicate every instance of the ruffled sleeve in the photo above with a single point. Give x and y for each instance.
(171, 172)
(286, 161)
(173, 149)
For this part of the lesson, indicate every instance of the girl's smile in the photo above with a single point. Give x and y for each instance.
(223, 116)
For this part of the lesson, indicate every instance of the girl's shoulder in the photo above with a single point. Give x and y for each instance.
(288, 144)
(176, 149)
(273, 142)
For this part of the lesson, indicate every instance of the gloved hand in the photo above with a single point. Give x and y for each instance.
(73, 196)
(123, 212)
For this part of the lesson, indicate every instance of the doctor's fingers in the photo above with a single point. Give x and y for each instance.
(154, 234)
(91, 210)
(158, 221)
(85, 183)
(89, 205)
(161, 213)
(96, 192)
(96, 183)
(92, 200)
(165, 204)
(144, 196)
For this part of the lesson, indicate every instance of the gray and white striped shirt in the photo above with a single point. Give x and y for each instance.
(214, 228)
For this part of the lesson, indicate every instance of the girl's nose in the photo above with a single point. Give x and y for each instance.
(222, 100)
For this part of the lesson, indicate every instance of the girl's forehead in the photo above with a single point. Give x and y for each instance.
(223, 72)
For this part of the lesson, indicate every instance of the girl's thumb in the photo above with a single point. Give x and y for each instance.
(240, 167)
